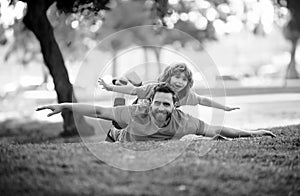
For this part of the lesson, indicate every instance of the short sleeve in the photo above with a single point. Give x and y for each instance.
(122, 114)
(193, 99)
(194, 126)
(145, 91)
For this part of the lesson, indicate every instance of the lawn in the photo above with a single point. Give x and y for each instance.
(251, 166)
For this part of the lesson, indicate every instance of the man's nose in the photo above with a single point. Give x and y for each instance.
(161, 107)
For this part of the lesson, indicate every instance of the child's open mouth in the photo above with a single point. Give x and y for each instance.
(177, 86)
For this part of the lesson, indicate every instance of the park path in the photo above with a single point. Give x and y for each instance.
(256, 111)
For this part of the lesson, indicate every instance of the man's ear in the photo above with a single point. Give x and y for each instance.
(150, 100)
(176, 101)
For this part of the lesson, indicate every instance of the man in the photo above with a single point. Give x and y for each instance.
(157, 120)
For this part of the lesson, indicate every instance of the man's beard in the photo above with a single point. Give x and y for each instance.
(161, 115)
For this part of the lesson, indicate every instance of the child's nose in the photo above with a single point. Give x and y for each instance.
(180, 81)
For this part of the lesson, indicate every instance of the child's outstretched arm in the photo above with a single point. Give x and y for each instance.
(210, 103)
(126, 89)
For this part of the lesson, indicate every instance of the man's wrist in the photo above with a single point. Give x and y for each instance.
(66, 105)
(255, 133)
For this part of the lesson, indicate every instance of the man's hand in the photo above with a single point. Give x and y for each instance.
(266, 133)
(56, 108)
(105, 85)
(228, 109)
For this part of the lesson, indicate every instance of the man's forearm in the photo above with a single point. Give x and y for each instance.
(106, 113)
(83, 109)
(235, 133)
(213, 130)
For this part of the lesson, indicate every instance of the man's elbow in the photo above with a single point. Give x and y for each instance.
(204, 101)
(133, 92)
(99, 114)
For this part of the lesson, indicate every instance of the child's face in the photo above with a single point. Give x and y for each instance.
(178, 81)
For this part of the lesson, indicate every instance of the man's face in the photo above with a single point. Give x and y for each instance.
(162, 106)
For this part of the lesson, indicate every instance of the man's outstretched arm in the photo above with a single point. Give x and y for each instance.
(83, 109)
(210, 131)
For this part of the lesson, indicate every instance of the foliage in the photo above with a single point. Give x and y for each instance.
(293, 25)
(80, 24)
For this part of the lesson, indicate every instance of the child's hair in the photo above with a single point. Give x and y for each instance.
(173, 69)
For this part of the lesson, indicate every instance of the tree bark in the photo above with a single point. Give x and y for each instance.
(146, 59)
(37, 21)
(114, 63)
(115, 46)
(157, 55)
(291, 72)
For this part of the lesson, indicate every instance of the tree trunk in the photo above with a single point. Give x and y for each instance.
(45, 75)
(36, 20)
(291, 72)
(115, 46)
(157, 55)
(114, 63)
(146, 59)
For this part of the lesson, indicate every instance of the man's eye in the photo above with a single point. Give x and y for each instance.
(166, 104)
(156, 103)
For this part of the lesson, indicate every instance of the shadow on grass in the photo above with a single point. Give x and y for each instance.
(26, 130)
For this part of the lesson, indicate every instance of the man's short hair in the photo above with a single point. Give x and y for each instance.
(165, 88)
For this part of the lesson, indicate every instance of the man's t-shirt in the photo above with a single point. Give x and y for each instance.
(145, 91)
(141, 126)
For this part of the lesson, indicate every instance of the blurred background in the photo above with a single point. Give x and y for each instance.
(250, 44)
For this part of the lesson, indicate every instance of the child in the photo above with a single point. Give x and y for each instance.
(179, 77)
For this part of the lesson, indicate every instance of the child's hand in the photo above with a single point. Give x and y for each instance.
(105, 85)
(228, 109)
(56, 108)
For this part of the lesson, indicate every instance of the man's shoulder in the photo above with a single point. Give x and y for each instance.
(180, 115)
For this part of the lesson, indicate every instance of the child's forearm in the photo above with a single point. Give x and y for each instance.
(213, 104)
(128, 89)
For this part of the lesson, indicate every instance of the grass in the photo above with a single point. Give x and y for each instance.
(252, 166)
